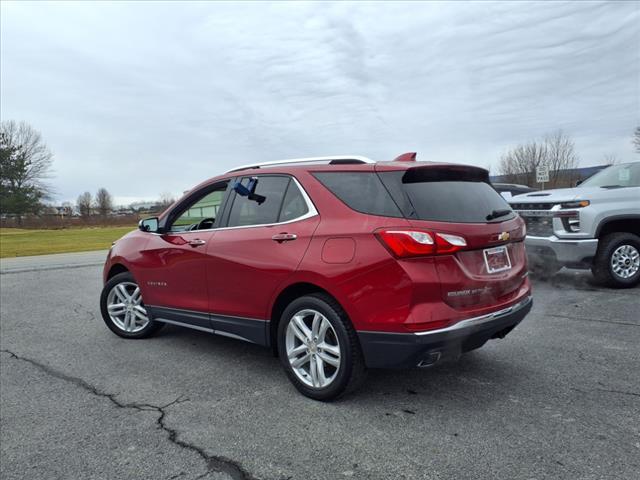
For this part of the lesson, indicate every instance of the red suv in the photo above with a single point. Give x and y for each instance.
(338, 264)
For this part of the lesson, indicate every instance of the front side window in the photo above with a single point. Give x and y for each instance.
(201, 214)
(245, 211)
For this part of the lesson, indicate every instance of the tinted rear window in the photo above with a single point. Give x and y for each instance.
(445, 196)
(361, 191)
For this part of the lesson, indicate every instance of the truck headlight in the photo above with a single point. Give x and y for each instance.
(577, 204)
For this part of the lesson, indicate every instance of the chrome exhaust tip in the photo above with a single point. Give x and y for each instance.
(430, 360)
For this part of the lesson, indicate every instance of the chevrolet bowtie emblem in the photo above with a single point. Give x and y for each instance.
(504, 236)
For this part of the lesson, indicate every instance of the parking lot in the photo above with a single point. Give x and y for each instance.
(558, 398)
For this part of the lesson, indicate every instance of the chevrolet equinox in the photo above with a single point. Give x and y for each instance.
(338, 264)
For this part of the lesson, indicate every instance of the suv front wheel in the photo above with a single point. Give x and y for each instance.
(123, 310)
(319, 348)
(617, 262)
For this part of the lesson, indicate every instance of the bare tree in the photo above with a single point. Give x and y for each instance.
(84, 204)
(636, 139)
(25, 164)
(610, 159)
(561, 158)
(519, 164)
(557, 150)
(166, 199)
(104, 202)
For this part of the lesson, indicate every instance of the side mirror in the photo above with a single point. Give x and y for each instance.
(149, 225)
(579, 182)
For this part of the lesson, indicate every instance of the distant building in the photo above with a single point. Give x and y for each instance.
(61, 211)
(566, 178)
(142, 206)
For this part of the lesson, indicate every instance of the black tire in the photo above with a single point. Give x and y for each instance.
(150, 329)
(602, 267)
(352, 370)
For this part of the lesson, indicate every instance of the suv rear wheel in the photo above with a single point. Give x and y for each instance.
(319, 348)
(617, 262)
(123, 310)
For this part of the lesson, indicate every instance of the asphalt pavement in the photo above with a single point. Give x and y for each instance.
(52, 262)
(559, 398)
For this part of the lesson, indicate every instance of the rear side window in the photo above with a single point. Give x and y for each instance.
(294, 205)
(446, 196)
(361, 191)
(249, 212)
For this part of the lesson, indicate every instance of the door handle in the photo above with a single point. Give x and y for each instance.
(196, 242)
(284, 237)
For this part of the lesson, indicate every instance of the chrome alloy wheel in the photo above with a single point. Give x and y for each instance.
(125, 307)
(312, 348)
(625, 261)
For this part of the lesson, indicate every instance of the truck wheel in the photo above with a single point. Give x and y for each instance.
(617, 262)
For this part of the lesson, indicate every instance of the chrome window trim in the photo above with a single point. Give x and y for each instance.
(303, 217)
(312, 212)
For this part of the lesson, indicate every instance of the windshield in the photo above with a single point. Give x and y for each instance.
(626, 175)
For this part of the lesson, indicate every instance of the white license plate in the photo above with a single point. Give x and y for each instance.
(497, 259)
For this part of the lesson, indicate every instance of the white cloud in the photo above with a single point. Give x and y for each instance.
(148, 97)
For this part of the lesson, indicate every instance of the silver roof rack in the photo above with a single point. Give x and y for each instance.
(307, 161)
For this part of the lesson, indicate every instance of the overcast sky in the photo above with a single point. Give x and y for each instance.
(143, 98)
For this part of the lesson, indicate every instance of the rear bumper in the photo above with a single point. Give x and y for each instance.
(566, 252)
(406, 350)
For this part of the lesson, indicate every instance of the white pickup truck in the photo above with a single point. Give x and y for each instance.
(595, 225)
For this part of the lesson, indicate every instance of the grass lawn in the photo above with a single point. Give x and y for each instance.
(15, 242)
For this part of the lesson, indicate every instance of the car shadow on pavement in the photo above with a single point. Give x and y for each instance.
(459, 380)
(475, 377)
(575, 279)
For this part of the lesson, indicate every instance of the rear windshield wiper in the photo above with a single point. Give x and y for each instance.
(498, 213)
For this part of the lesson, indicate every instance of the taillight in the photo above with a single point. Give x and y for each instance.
(448, 243)
(418, 243)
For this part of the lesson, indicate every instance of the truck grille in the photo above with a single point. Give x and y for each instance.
(532, 206)
(539, 226)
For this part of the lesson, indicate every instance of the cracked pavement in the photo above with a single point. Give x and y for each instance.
(558, 398)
